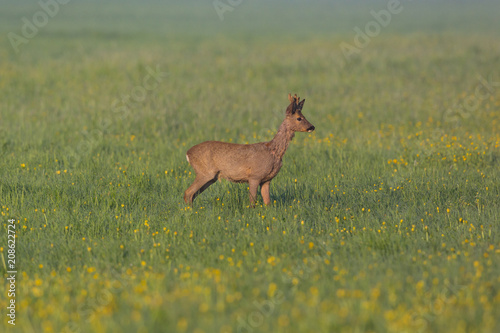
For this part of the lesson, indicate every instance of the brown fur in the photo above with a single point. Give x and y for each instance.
(255, 164)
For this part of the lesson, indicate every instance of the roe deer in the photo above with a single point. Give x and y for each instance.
(255, 164)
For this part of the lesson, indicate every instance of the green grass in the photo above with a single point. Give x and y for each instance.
(385, 219)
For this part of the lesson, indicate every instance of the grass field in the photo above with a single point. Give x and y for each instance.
(385, 219)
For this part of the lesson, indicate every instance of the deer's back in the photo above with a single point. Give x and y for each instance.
(235, 162)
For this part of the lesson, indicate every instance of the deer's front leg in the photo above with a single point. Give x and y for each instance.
(264, 190)
(254, 185)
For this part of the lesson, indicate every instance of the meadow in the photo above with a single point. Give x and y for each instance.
(384, 219)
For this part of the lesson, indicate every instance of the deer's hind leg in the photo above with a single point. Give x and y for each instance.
(200, 184)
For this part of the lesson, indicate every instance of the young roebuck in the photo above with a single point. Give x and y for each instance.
(255, 164)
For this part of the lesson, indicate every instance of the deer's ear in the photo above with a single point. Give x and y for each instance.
(300, 105)
(290, 109)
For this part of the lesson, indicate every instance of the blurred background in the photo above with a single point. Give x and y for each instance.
(242, 56)
(384, 219)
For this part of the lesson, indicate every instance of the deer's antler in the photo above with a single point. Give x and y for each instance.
(294, 99)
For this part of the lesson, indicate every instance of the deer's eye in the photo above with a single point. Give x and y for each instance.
(299, 119)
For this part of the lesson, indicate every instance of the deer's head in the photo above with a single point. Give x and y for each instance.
(294, 117)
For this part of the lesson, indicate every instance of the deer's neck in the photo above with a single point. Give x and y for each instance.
(281, 140)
